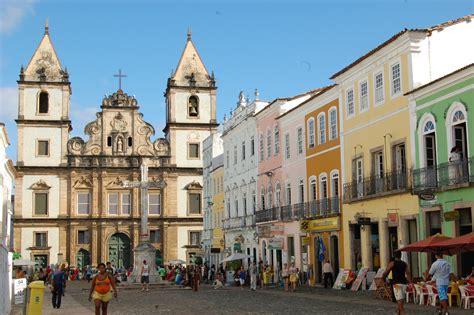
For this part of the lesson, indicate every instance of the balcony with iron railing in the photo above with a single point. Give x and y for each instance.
(444, 176)
(376, 186)
(298, 211)
(239, 222)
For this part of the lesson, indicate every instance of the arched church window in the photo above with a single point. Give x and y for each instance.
(429, 127)
(193, 106)
(43, 103)
(109, 141)
(130, 141)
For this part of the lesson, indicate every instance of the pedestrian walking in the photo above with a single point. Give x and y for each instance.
(441, 271)
(196, 278)
(100, 290)
(58, 281)
(293, 276)
(145, 276)
(327, 271)
(285, 275)
(242, 276)
(253, 276)
(400, 277)
(89, 273)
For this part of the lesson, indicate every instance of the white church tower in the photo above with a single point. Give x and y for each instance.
(43, 110)
(43, 127)
(190, 108)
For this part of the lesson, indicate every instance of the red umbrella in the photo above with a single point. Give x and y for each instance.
(428, 245)
(460, 244)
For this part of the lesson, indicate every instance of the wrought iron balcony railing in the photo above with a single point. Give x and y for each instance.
(239, 222)
(375, 186)
(298, 211)
(443, 176)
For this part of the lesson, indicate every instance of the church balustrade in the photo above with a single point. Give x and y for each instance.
(113, 161)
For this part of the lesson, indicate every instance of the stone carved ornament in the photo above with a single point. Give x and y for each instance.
(40, 185)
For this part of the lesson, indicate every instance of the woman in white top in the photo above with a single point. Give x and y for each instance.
(284, 275)
(145, 276)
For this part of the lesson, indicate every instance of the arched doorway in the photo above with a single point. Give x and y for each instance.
(119, 250)
(83, 258)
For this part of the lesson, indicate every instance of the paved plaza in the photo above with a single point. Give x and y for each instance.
(173, 300)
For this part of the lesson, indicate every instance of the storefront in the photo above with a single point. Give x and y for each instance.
(323, 239)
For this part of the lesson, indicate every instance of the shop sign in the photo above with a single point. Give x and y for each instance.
(326, 224)
(305, 241)
(277, 228)
(392, 219)
(451, 215)
(275, 243)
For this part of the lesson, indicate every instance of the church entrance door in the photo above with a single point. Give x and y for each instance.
(119, 250)
(83, 258)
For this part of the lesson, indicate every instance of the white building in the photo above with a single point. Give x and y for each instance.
(7, 177)
(240, 169)
(213, 146)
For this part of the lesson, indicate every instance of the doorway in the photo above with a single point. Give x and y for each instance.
(335, 253)
(465, 260)
(119, 250)
(83, 258)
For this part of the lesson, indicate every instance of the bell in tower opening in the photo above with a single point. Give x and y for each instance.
(193, 106)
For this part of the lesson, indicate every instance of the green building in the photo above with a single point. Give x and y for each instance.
(444, 174)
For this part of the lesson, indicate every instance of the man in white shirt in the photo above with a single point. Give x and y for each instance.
(327, 271)
(441, 270)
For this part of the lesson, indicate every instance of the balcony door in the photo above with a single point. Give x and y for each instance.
(378, 168)
(399, 167)
(358, 176)
(430, 160)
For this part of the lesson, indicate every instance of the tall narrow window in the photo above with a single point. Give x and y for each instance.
(243, 150)
(278, 195)
(193, 106)
(244, 204)
(40, 203)
(193, 150)
(41, 239)
(299, 133)
(130, 141)
(235, 154)
(113, 203)
(83, 202)
(43, 107)
(287, 146)
(261, 148)
(109, 141)
(254, 202)
(154, 203)
(323, 187)
(364, 98)
(311, 133)
(236, 207)
(312, 185)
(269, 143)
(322, 128)
(126, 203)
(277, 139)
(194, 200)
(396, 80)
(83, 237)
(155, 236)
(262, 198)
(350, 102)
(252, 146)
(288, 193)
(379, 94)
(301, 191)
(333, 124)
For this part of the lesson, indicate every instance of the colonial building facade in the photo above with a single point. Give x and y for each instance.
(240, 169)
(71, 204)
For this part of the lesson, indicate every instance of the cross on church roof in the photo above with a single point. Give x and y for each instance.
(120, 76)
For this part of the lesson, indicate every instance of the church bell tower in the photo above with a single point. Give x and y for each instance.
(190, 108)
(43, 110)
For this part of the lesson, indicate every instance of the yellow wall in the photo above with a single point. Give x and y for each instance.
(364, 132)
(217, 209)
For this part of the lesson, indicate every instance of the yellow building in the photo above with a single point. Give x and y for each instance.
(217, 210)
(379, 211)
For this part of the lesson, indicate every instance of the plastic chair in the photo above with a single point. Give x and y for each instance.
(410, 291)
(453, 290)
(420, 294)
(466, 297)
(432, 295)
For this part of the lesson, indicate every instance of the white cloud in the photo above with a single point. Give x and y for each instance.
(12, 13)
(8, 103)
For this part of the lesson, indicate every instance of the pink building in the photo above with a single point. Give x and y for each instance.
(279, 236)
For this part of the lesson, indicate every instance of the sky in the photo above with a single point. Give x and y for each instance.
(281, 47)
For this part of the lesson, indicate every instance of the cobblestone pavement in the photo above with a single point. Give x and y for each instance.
(233, 301)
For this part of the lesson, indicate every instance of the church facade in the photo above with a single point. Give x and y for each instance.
(71, 204)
